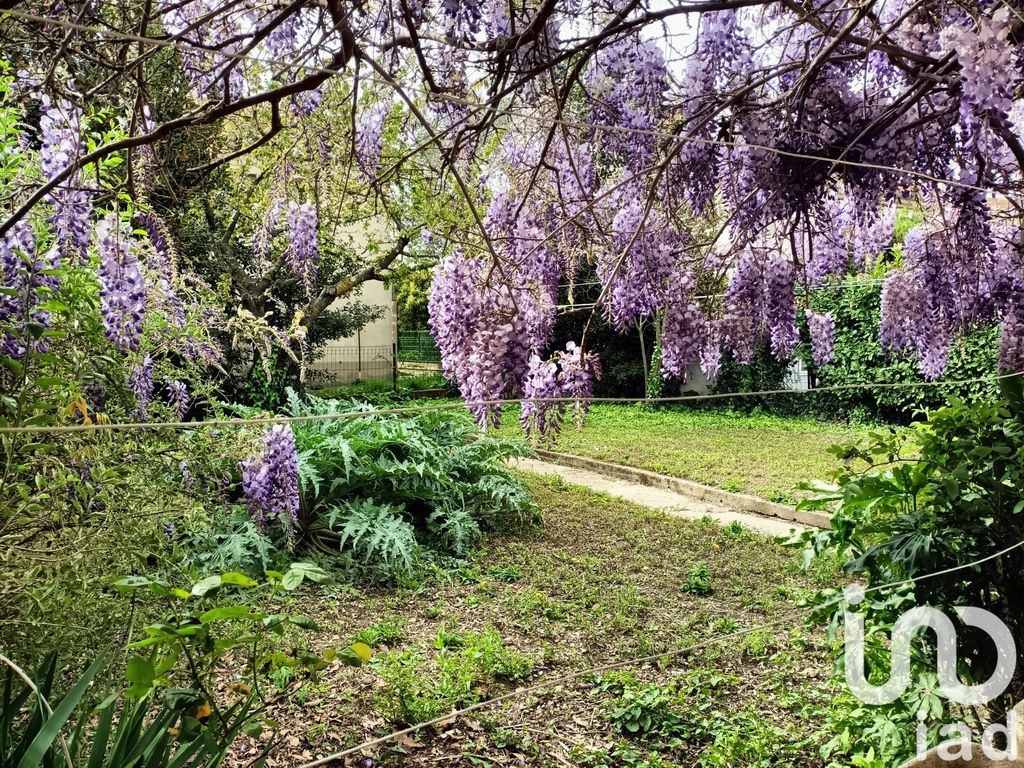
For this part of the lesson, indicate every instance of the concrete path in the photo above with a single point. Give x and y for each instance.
(670, 502)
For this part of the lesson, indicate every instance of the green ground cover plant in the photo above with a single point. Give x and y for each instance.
(601, 581)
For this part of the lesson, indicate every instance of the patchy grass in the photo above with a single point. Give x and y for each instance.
(601, 581)
(763, 455)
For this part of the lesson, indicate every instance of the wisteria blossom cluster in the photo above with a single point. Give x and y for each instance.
(303, 251)
(369, 130)
(140, 381)
(61, 137)
(551, 386)
(822, 328)
(122, 290)
(270, 481)
(29, 282)
(938, 293)
(177, 394)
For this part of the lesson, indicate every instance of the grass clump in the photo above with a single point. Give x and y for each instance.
(699, 581)
(465, 666)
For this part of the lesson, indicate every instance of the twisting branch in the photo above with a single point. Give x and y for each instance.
(373, 272)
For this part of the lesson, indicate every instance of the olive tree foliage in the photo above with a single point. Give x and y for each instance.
(543, 139)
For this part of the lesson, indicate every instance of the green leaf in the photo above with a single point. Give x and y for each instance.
(140, 674)
(12, 365)
(239, 580)
(291, 580)
(51, 728)
(131, 583)
(228, 612)
(253, 729)
(312, 571)
(349, 657)
(303, 621)
(207, 585)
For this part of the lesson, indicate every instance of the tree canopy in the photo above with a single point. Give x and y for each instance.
(708, 161)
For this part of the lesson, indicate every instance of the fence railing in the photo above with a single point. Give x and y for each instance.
(339, 365)
(417, 347)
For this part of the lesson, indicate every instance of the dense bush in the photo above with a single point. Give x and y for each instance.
(383, 493)
(921, 501)
(860, 358)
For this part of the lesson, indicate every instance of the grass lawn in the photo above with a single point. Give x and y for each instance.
(602, 580)
(763, 455)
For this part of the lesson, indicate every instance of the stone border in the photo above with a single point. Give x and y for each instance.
(741, 502)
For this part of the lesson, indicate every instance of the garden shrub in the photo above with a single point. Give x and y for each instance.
(860, 358)
(382, 493)
(170, 714)
(920, 501)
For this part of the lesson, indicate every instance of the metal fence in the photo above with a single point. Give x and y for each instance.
(417, 347)
(338, 365)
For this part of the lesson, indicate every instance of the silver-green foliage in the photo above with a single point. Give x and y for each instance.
(394, 491)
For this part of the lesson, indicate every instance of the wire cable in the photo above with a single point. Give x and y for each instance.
(413, 409)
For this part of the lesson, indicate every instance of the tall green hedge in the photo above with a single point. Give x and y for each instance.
(860, 358)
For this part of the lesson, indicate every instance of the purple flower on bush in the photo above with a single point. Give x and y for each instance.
(369, 137)
(540, 417)
(122, 292)
(568, 374)
(25, 273)
(1011, 343)
(60, 130)
(303, 253)
(178, 393)
(270, 481)
(140, 381)
(682, 328)
(167, 526)
(823, 332)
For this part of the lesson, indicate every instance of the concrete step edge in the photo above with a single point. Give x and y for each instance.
(741, 502)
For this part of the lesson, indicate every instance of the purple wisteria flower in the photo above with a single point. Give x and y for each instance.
(987, 70)
(538, 416)
(270, 481)
(369, 138)
(568, 374)
(122, 292)
(303, 252)
(161, 266)
(1011, 343)
(683, 327)
(27, 277)
(60, 130)
(140, 381)
(822, 329)
(177, 392)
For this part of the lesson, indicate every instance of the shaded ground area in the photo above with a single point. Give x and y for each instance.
(602, 580)
(763, 455)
